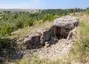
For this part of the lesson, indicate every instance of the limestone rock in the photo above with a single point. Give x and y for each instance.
(61, 28)
(46, 36)
(66, 21)
(32, 41)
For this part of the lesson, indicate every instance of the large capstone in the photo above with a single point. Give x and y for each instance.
(62, 26)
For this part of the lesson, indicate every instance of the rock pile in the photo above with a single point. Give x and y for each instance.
(60, 29)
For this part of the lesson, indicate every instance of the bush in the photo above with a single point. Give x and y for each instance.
(28, 23)
(6, 30)
(49, 17)
(87, 10)
(19, 25)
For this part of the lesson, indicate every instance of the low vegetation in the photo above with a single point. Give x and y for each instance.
(12, 21)
(80, 50)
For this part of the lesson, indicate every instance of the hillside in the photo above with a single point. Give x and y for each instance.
(79, 51)
(15, 28)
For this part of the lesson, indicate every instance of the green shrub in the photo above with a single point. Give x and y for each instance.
(87, 10)
(28, 23)
(49, 17)
(6, 30)
(19, 24)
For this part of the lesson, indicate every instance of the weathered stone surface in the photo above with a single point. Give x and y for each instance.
(66, 21)
(46, 36)
(62, 26)
(32, 41)
(60, 29)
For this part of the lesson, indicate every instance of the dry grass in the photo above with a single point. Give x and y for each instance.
(21, 33)
(80, 51)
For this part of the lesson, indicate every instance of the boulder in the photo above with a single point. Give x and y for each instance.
(62, 26)
(32, 41)
(66, 21)
(46, 35)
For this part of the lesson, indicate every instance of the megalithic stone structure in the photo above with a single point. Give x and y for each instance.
(61, 28)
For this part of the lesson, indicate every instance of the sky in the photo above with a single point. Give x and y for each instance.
(43, 4)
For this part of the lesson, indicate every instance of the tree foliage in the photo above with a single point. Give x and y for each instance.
(87, 10)
(10, 21)
(28, 23)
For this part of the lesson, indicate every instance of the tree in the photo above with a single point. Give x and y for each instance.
(28, 23)
(87, 10)
(49, 17)
(19, 25)
(6, 30)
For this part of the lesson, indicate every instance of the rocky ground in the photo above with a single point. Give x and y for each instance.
(55, 51)
(51, 50)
